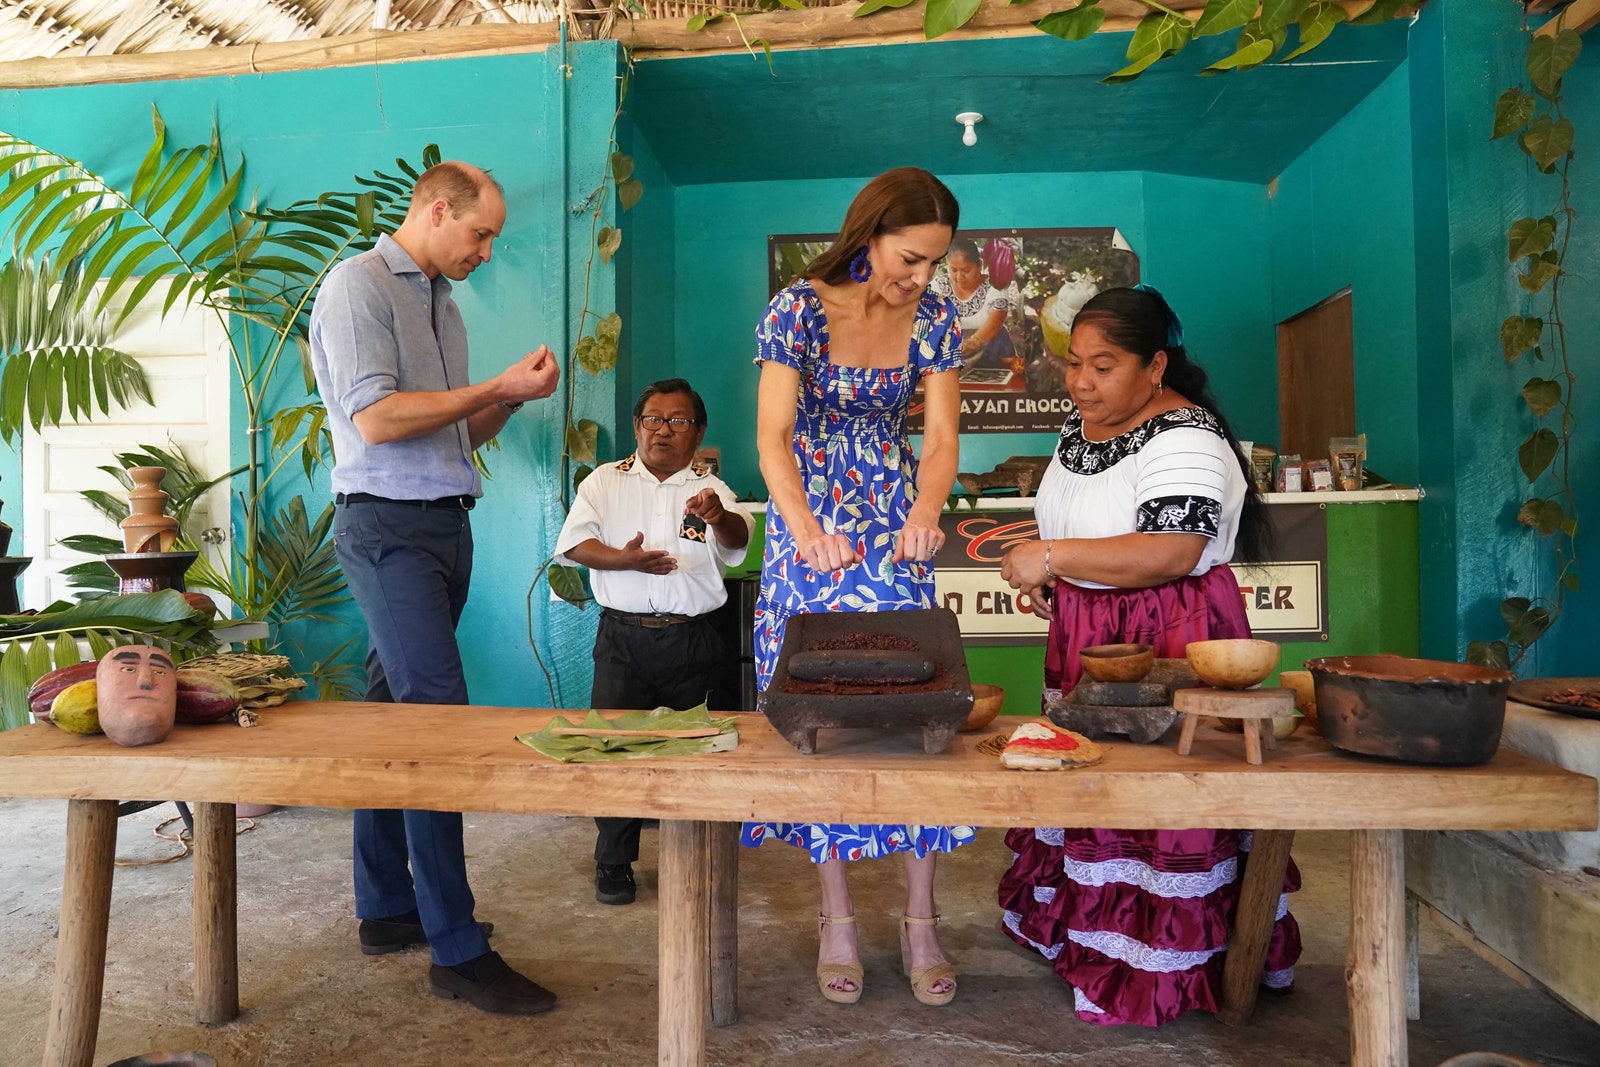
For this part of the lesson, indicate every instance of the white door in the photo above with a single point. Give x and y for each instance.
(185, 356)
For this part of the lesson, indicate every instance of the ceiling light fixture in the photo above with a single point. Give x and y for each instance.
(969, 119)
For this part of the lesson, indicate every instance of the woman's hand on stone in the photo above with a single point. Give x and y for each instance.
(826, 553)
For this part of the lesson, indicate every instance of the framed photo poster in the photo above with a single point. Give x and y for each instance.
(1016, 305)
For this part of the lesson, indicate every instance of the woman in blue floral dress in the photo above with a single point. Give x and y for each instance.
(853, 518)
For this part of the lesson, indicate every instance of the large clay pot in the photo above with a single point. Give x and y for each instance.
(137, 692)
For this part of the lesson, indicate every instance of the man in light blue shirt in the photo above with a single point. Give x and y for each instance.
(390, 354)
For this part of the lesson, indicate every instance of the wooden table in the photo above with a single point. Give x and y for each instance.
(465, 759)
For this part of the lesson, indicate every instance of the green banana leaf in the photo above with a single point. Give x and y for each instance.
(34, 645)
(581, 748)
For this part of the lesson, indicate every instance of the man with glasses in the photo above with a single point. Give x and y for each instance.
(656, 531)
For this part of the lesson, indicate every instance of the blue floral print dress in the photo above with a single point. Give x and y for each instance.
(860, 479)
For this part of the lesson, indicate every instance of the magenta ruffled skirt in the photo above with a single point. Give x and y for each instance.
(1137, 921)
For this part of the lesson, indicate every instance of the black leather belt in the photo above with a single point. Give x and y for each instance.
(654, 621)
(455, 503)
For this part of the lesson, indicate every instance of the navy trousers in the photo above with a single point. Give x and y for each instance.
(642, 668)
(408, 567)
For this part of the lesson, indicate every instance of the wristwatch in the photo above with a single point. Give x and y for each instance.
(512, 409)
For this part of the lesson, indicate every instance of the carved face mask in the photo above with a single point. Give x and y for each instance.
(136, 688)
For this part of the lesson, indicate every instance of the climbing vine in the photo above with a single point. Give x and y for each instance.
(1537, 249)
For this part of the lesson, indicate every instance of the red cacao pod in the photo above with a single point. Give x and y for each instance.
(44, 691)
(204, 696)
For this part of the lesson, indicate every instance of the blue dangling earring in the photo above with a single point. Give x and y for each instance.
(860, 267)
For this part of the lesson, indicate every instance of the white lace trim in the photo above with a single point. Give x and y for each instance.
(1283, 907)
(1044, 894)
(1162, 883)
(1083, 1003)
(1139, 955)
(1013, 923)
(1278, 979)
(1050, 835)
(1052, 695)
(1247, 840)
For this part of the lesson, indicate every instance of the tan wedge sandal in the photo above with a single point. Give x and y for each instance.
(923, 979)
(827, 973)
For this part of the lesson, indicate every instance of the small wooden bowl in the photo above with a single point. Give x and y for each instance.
(1117, 663)
(1232, 663)
(986, 701)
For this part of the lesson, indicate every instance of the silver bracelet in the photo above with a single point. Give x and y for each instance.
(1048, 545)
(512, 409)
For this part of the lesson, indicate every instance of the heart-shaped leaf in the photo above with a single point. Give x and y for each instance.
(1547, 141)
(1551, 57)
(1542, 395)
(1132, 70)
(1512, 112)
(629, 192)
(609, 329)
(1220, 16)
(1316, 23)
(1540, 271)
(621, 167)
(1278, 14)
(1489, 654)
(1536, 453)
(1253, 49)
(567, 583)
(876, 5)
(1161, 34)
(1529, 628)
(582, 471)
(1513, 608)
(1529, 237)
(1074, 24)
(608, 241)
(1518, 334)
(942, 16)
(1379, 11)
(582, 440)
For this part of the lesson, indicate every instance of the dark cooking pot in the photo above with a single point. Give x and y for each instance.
(1420, 710)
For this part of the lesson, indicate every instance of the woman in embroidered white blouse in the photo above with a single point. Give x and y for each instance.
(1145, 501)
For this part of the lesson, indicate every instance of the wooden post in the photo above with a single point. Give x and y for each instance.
(1413, 956)
(1259, 894)
(216, 927)
(724, 849)
(1252, 741)
(1375, 969)
(684, 995)
(81, 947)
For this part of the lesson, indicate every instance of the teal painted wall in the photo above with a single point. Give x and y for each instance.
(1342, 217)
(1467, 190)
(304, 133)
(1204, 242)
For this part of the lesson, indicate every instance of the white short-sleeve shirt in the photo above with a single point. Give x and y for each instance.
(622, 499)
(1173, 473)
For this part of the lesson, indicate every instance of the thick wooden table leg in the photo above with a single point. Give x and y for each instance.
(685, 987)
(724, 849)
(1375, 969)
(1259, 894)
(216, 903)
(81, 947)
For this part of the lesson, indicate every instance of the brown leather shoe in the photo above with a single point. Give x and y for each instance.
(494, 987)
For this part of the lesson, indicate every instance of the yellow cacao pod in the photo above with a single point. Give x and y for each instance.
(76, 710)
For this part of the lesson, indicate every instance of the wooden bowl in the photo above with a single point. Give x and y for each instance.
(1117, 663)
(1305, 697)
(986, 701)
(1236, 663)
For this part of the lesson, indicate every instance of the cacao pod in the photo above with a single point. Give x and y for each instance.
(75, 709)
(201, 605)
(45, 689)
(204, 696)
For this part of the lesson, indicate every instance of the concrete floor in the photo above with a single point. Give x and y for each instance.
(311, 998)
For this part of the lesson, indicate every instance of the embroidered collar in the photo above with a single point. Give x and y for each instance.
(698, 470)
(1082, 456)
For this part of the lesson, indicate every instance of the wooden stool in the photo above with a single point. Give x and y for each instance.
(1254, 706)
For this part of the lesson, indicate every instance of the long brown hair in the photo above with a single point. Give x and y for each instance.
(893, 201)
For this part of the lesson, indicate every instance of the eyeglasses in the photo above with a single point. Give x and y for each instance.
(655, 422)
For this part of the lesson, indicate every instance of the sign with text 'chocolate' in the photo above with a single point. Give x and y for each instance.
(1285, 599)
